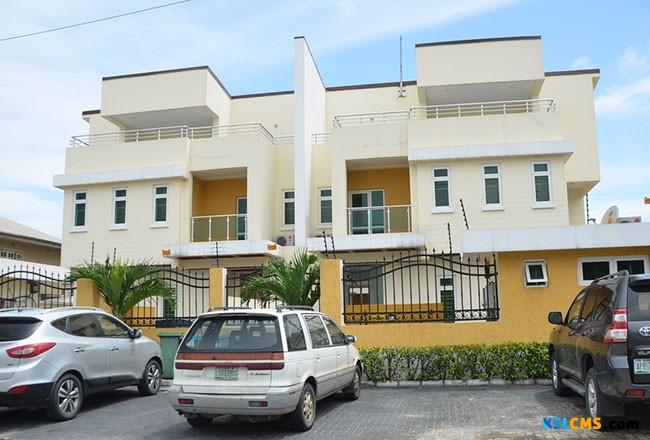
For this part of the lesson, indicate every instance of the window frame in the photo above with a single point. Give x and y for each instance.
(311, 340)
(321, 199)
(325, 320)
(547, 174)
(612, 260)
(286, 334)
(446, 208)
(529, 282)
(114, 321)
(117, 226)
(156, 196)
(581, 296)
(492, 206)
(75, 202)
(17, 254)
(285, 200)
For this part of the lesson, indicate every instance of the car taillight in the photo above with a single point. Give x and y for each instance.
(30, 351)
(617, 331)
(250, 361)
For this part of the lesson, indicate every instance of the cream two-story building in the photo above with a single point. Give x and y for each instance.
(176, 169)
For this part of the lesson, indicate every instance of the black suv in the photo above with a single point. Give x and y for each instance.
(601, 349)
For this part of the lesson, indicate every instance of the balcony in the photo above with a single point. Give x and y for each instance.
(379, 219)
(219, 228)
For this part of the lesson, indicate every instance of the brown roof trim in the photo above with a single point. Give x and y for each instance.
(480, 40)
(573, 72)
(258, 95)
(90, 112)
(370, 86)
(160, 72)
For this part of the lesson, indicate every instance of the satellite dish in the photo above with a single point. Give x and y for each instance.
(610, 216)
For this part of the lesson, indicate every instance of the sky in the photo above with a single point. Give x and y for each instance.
(47, 80)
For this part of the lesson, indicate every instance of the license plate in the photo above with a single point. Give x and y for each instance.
(641, 366)
(226, 373)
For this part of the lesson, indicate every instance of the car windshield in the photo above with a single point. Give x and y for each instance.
(638, 300)
(17, 328)
(243, 333)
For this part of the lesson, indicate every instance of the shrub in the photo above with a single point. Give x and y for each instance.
(510, 361)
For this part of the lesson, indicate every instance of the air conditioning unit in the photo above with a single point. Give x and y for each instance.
(285, 240)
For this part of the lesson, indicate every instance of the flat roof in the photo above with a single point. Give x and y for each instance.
(480, 40)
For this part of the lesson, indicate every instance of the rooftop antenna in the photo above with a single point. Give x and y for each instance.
(402, 93)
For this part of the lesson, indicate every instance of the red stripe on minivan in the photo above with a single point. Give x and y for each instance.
(212, 360)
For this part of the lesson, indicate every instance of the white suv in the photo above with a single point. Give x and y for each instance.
(263, 363)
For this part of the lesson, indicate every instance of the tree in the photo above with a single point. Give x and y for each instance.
(123, 284)
(295, 282)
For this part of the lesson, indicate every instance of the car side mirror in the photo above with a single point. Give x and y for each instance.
(135, 334)
(350, 339)
(555, 318)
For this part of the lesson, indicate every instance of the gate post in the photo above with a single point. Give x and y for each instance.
(88, 295)
(331, 289)
(217, 287)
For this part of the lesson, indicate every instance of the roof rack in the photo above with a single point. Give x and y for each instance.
(214, 309)
(57, 309)
(20, 309)
(620, 273)
(285, 307)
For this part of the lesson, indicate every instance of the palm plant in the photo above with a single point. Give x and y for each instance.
(123, 284)
(294, 282)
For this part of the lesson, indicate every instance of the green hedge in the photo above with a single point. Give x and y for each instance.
(511, 361)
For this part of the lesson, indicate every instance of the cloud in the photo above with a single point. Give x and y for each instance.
(32, 209)
(581, 63)
(622, 185)
(632, 62)
(627, 100)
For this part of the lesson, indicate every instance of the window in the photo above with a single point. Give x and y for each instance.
(119, 207)
(573, 315)
(317, 331)
(242, 210)
(535, 273)
(325, 206)
(79, 214)
(336, 335)
(366, 214)
(596, 303)
(289, 203)
(294, 333)
(160, 204)
(542, 183)
(83, 325)
(244, 333)
(592, 268)
(17, 328)
(112, 328)
(492, 185)
(12, 254)
(441, 199)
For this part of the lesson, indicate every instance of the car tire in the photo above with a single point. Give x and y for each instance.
(199, 422)
(597, 404)
(353, 391)
(66, 398)
(302, 418)
(558, 388)
(150, 383)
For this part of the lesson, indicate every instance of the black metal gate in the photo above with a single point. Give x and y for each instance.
(236, 277)
(24, 286)
(421, 287)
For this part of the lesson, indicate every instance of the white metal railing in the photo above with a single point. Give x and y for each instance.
(320, 138)
(379, 219)
(448, 111)
(284, 140)
(219, 227)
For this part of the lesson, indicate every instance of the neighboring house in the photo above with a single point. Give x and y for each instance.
(23, 244)
(174, 163)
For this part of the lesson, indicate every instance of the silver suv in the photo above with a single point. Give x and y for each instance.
(52, 358)
(263, 363)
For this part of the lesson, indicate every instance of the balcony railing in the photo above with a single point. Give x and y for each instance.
(448, 111)
(219, 227)
(379, 219)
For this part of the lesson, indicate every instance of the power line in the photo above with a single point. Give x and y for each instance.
(15, 37)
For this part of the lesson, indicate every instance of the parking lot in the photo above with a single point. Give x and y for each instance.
(513, 412)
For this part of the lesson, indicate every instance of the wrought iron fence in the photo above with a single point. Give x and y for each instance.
(421, 287)
(35, 286)
(191, 298)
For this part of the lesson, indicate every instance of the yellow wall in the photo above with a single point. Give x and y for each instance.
(217, 197)
(523, 315)
(394, 182)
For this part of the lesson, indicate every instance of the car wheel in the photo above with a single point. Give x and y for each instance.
(302, 418)
(199, 422)
(599, 405)
(558, 388)
(66, 398)
(353, 391)
(150, 383)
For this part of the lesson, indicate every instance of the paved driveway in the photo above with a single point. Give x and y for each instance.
(408, 413)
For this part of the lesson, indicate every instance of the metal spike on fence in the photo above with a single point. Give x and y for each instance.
(325, 243)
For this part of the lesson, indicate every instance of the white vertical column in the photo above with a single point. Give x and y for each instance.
(309, 118)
